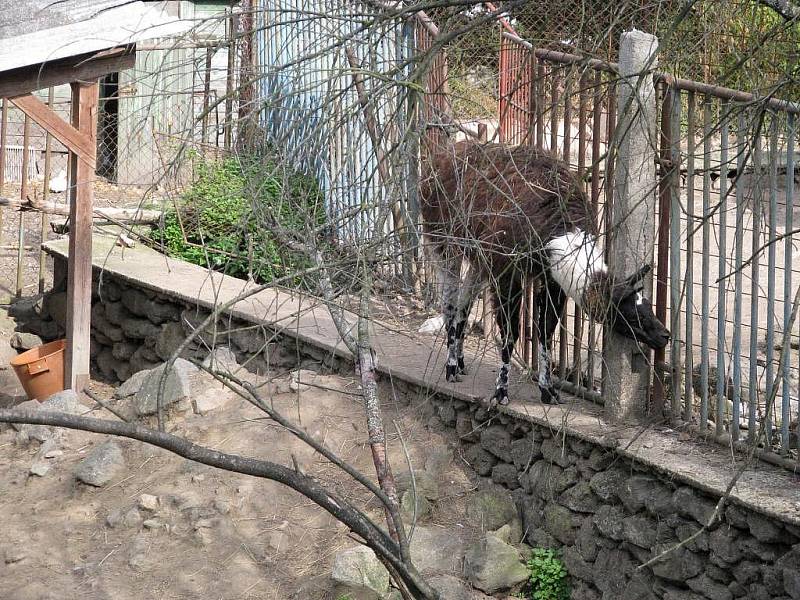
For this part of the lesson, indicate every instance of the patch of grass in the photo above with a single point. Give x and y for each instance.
(222, 220)
(548, 576)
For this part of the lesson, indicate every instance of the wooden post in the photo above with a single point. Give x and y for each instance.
(79, 266)
(631, 237)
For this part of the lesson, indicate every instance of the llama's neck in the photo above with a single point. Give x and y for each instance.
(576, 264)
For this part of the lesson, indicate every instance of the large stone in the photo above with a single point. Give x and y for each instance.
(27, 308)
(690, 504)
(722, 542)
(436, 550)
(640, 531)
(177, 387)
(492, 565)
(41, 433)
(115, 312)
(525, 451)
(25, 341)
(609, 521)
(679, 564)
(561, 523)
(169, 339)
(101, 465)
(612, 570)
(452, 588)
(607, 484)
(123, 350)
(542, 479)
(358, 572)
(788, 568)
(423, 481)
(709, 588)
(505, 474)
(497, 440)
(65, 401)
(466, 430)
(577, 566)
(490, 509)
(636, 490)
(555, 451)
(414, 507)
(55, 306)
(580, 498)
(131, 385)
(586, 541)
(763, 529)
(222, 359)
(161, 312)
(136, 302)
(480, 460)
(139, 328)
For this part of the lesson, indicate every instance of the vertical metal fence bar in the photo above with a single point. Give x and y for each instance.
(597, 112)
(736, 354)
(564, 333)
(503, 89)
(45, 194)
(704, 301)
(3, 140)
(755, 209)
(688, 390)
(540, 101)
(608, 206)
(533, 99)
(553, 108)
(23, 195)
(582, 114)
(675, 253)
(787, 284)
(722, 272)
(771, 258)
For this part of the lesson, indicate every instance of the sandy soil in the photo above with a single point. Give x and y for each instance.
(214, 534)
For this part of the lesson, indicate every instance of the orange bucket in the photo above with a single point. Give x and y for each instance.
(40, 370)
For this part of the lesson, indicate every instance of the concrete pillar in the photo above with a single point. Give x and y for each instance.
(630, 243)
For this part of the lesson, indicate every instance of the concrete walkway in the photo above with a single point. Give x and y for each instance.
(419, 361)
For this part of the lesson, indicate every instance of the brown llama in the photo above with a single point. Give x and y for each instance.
(517, 211)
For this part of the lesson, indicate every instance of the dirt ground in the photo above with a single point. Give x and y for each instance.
(213, 534)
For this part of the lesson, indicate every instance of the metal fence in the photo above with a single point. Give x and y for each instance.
(725, 280)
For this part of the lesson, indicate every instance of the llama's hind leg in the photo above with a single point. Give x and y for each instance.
(466, 297)
(508, 299)
(551, 299)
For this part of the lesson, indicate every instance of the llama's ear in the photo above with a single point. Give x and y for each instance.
(636, 280)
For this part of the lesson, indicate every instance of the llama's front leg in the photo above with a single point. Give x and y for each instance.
(450, 278)
(508, 300)
(551, 301)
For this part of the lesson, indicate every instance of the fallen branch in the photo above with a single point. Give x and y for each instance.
(128, 215)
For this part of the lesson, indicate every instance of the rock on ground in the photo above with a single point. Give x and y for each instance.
(177, 387)
(491, 508)
(132, 385)
(436, 550)
(101, 465)
(25, 341)
(221, 358)
(492, 565)
(358, 572)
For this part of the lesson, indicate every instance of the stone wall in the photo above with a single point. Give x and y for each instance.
(606, 513)
(608, 516)
(135, 328)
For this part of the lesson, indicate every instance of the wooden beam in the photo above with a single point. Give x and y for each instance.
(84, 67)
(79, 263)
(76, 141)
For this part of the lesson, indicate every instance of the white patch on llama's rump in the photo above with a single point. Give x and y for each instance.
(574, 260)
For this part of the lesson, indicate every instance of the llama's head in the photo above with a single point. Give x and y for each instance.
(631, 314)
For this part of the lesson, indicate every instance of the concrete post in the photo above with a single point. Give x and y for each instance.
(630, 243)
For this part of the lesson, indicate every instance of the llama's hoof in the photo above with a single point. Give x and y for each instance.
(451, 374)
(462, 369)
(550, 396)
(500, 397)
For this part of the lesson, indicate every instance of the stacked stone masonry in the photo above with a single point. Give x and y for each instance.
(606, 514)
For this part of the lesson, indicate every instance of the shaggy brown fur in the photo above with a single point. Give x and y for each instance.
(484, 198)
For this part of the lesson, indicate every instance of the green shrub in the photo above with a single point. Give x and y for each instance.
(548, 576)
(221, 220)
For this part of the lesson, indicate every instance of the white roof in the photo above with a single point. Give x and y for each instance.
(108, 27)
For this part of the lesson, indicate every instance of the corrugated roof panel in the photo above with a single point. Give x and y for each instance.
(107, 28)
